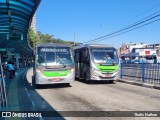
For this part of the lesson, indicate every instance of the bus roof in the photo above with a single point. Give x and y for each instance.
(93, 45)
(52, 45)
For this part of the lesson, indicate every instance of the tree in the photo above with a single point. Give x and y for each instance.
(31, 37)
(38, 37)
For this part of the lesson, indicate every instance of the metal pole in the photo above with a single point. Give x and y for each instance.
(1, 94)
(121, 69)
(142, 70)
(74, 39)
(3, 85)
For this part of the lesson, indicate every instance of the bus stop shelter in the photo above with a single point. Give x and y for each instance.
(15, 20)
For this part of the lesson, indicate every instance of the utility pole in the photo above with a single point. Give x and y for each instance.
(74, 39)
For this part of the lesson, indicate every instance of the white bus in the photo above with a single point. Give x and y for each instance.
(96, 62)
(53, 64)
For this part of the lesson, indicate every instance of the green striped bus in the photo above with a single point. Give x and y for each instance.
(96, 62)
(53, 64)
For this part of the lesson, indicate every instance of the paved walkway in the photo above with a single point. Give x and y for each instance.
(12, 91)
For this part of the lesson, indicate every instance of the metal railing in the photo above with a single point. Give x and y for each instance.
(143, 72)
(3, 97)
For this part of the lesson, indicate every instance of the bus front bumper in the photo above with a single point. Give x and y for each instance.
(54, 80)
(105, 76)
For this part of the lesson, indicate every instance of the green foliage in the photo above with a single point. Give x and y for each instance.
(38, 37)
(33, 37)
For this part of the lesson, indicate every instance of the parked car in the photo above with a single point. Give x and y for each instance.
(136, 61)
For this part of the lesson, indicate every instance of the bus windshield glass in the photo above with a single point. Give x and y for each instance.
(54, 56)
(104, 55)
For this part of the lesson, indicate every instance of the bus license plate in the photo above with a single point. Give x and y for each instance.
(56, 79)
(108, 75)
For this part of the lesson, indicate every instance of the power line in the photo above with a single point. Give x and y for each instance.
(129, 30)
(144, 18)
(157, 5)
(128, 27)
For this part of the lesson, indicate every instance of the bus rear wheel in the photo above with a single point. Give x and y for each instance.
(86, 79)
(67, 84)
(34, 82)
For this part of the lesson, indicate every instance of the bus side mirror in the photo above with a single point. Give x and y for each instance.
(33, 53)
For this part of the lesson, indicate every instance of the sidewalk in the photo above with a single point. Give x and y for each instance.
(139, 83)
(12, 96)
(13, 88)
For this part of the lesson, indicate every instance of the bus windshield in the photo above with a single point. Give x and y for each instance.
(54, 56)
(104, 55)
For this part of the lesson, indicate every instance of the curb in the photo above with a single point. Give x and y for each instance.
(139, 84)
(30, 69)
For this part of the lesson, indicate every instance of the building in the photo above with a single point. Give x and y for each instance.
(128, 48)
(154, 45)
(33, 23)
(145, 51)
(123, 50)
(157, 46)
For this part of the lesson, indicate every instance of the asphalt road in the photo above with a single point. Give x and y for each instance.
(80, 96)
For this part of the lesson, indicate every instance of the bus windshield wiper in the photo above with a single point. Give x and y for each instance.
(112, 62)
(61, 61)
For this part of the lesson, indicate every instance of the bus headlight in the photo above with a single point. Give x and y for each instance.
(94, 69)
(38, 70)
(72, 70)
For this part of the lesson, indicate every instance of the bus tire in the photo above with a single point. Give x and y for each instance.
(86, 79)
(34, 82)
(111, 81)
(67, 84)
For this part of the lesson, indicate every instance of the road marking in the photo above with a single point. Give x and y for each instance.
(33, 104)
(28, 94)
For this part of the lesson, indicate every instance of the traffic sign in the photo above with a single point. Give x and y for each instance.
(2, 49)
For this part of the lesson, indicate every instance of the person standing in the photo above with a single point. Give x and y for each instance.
(14, 66)
(5, 67)
(11, 69)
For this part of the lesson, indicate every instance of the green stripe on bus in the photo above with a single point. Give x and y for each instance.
(107, 68)
(56, 73)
